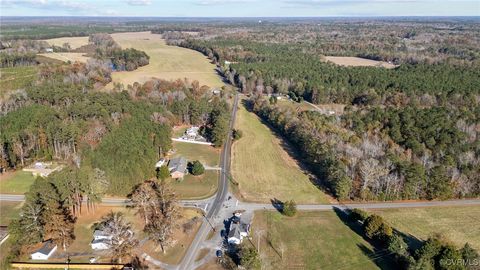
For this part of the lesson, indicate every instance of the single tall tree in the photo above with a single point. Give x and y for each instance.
(59, 225)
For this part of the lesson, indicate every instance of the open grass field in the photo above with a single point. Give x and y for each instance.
(206, 154)
(67, 56)
(263, 167)
(458, 224)
(9, 211)
(17, 182)
(357, 62)
(311, 240)
(166, 62)
(296, 106)
(75, 42)
(196, 187)
(16, 78)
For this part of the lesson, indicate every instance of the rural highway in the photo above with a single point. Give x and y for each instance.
(191, 254)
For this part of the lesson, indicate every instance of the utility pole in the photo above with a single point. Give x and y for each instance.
(213, 228)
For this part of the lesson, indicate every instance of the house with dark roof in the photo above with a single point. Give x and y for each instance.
(237, 232)
(177, 167)
(47, 249)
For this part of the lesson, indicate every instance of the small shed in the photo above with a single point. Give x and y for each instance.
(47, 249)
(160, 163)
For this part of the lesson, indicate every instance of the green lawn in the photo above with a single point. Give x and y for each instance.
(15, 78)
(311, 240)
(459, 224)
(264, 168)
(296, 106)
(179, 131)
(9, 211)
(17, 182)
(204, 153)
(196, 187)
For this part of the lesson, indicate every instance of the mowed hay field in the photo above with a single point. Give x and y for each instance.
(311, 240)
(459, 224)
(67, 56)
(75, 42)
(166, 62)
(357, 62)
(264, 169)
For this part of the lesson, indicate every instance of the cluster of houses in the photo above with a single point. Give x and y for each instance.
(177, 166)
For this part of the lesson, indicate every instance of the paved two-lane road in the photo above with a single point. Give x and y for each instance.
(222, 192)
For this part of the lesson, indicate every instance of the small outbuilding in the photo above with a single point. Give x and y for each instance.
(160, 163)
(47, 249)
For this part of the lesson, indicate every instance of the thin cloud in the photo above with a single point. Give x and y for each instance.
(139, 2)
(72, 7)
(350, 2)
(221, 2)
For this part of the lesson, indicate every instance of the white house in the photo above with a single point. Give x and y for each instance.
(47, 249)
(192, 132)
(237, 232)
(101, 240)
(49, 50)
(100, 244)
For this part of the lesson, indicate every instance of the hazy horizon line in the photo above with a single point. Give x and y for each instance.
(216, 17)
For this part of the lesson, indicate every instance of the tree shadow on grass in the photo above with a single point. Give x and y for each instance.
(277, 204)
(412, 241)
(380, 256)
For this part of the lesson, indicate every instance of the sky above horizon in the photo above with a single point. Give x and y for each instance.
(240, 8)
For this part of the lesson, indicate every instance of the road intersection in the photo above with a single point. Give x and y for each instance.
(222, 205)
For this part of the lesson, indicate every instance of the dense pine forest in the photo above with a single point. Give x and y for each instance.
(409, 132)
(61, 117)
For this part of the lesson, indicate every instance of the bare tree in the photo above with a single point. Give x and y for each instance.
(123, 238)
(142, 199)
